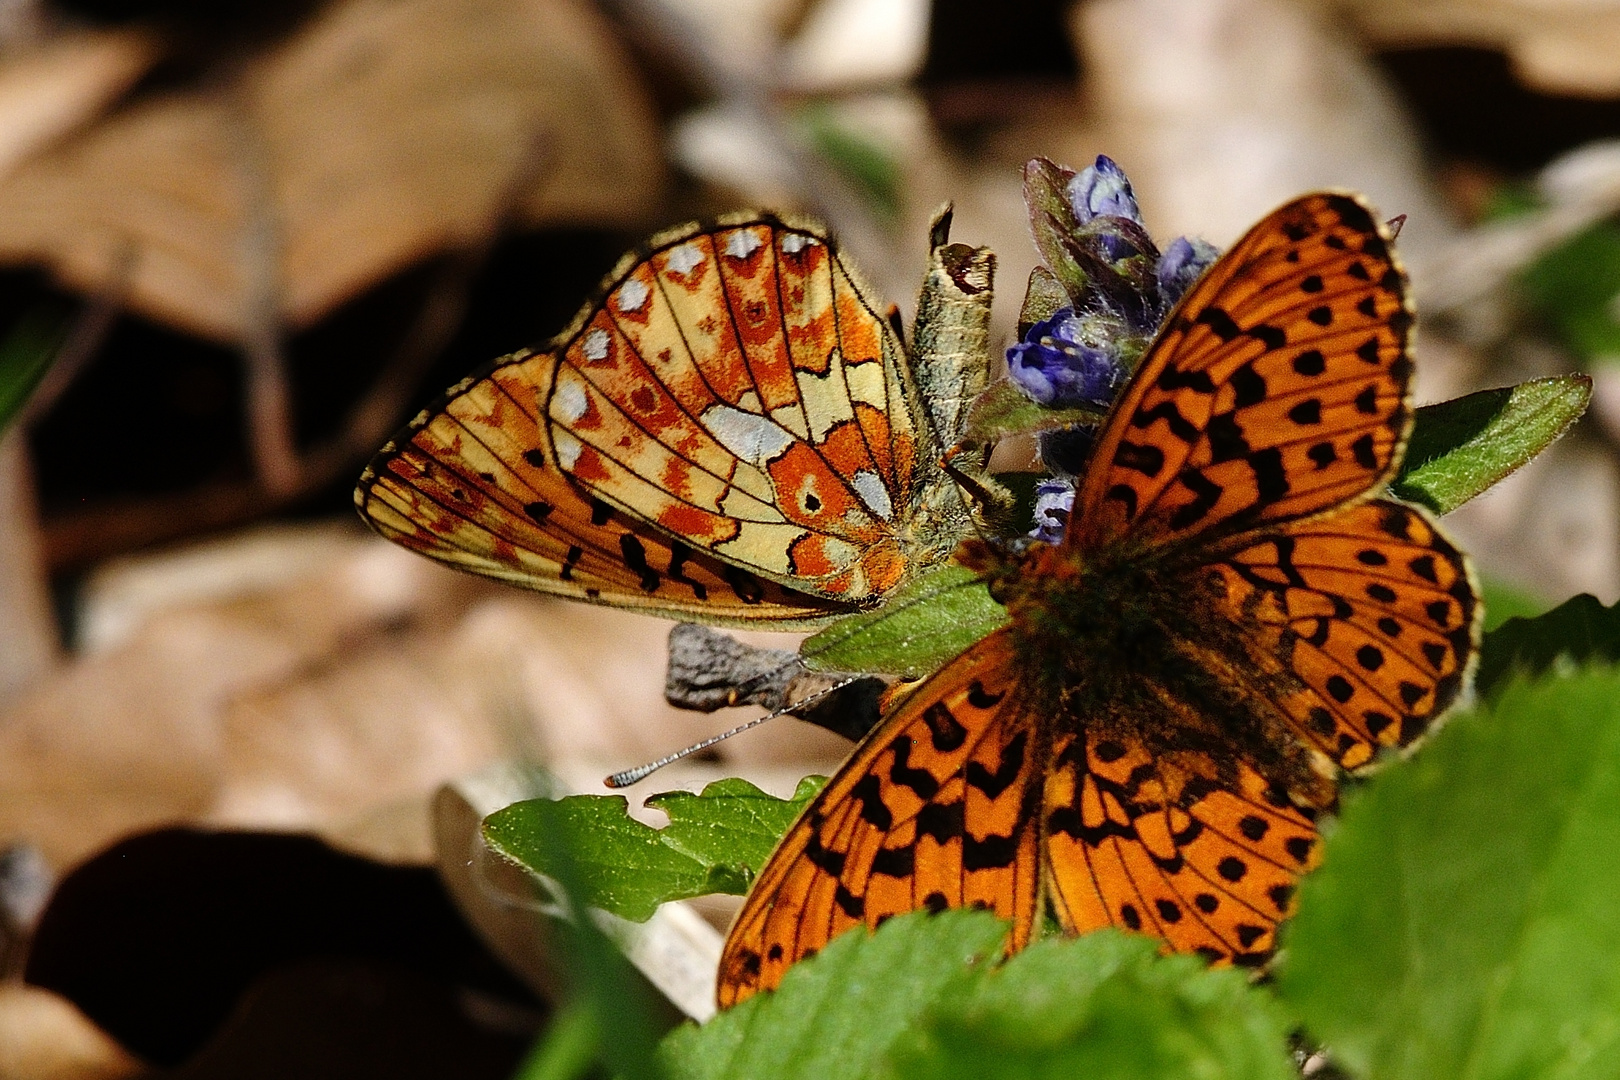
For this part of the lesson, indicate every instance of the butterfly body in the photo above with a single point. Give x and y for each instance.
(1099, 646)
(1232, 618)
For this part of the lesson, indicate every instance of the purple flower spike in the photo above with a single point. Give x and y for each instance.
(1183, 263)
(1054, 502)
(1053, 367)
(1102, 189)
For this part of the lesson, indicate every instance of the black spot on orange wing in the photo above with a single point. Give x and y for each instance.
(1373, 610)
(462, 486)
(1202, 868)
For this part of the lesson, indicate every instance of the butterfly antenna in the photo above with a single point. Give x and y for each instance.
(641, 772)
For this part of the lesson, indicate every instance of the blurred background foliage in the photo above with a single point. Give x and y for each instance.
(241, 244)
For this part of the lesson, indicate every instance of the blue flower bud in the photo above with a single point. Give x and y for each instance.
(1102, 189)
(1183, 262)
(1054, 502)
(1052, 366)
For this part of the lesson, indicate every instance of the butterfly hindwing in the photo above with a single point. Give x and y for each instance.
(1178, 847)
(1372, 611)
(1277, 388)
(475, 484)
(935, 810)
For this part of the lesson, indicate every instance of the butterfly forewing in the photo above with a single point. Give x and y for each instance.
(936, 809)
(736, 389)
(1277, 388)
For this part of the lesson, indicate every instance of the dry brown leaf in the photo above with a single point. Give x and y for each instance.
(383, 131)
(50, 88)
(131, 737)
(44, 1037)
(1555, 47)
(317, 678)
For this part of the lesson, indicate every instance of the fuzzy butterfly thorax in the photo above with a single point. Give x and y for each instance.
(1103, 644)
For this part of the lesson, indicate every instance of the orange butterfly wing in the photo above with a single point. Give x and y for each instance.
(732, 413)
(1371, 612)
(936, 809)
(475, 484)
(1152, 846)
(1275, 389)
(1275, 398)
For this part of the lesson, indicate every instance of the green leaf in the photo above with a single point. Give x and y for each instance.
(868, 167)
(1573, 287)
(1504, 602)
(1466, 918)
(838, 1013)
(732, 822)
(1101, 1006)
(922, 997)
(715, 843)
(923, 625)
(1003, 410)
(25, 355)
(1578, 631)
(566, 1049)
(1461, 447)
(1052, 222)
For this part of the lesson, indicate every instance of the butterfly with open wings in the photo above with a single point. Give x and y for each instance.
(1232, 617)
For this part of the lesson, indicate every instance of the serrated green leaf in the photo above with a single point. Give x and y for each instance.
(1578, 631)
(1003, 410)
(715, 843)
(732, 822)
(923, 625)
(25, 355)
(1101, 1006)
(1459, 448)
(838, 1013)
(1465, 921)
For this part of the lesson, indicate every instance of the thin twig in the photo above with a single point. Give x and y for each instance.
(268, 404)
(84, 340)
